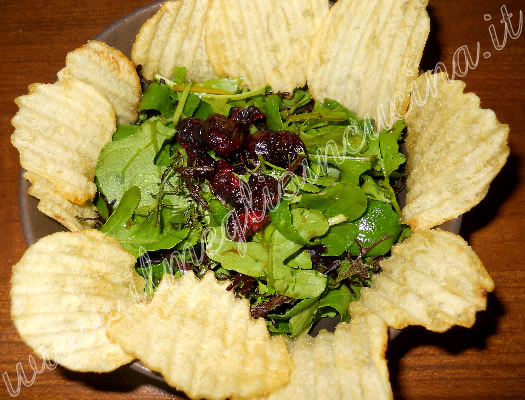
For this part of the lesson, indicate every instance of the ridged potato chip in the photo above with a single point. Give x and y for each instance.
(55, 206)
(203, 341)
(60, 129)
(433, 279)
(110, 72)
(455, 149)
(366, 54)
(65, 291)
(174, 37)
(265, 42)
(347, 364)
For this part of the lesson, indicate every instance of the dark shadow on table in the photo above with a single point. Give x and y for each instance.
(432, 52)
(455, 340)
(500, 189)
(122, 380)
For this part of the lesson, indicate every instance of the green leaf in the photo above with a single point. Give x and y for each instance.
(179, 75)
(301, 260)
(125, 131)
(247, 258)
(122, 214)
(130, 162)
(266, 257)
(218, 211)
(192, 103)
(272, 105)
(338, 299)
(299, 307)
(230, 85)
(339, 238)
(203, 111)
(375, 191)
(147, 236)
(158, 97)
(281, 218)
(302, 322)
(378, 221)
(389, 145)
(299, 99)
(351, 170)
(342, 198)
(219, 106)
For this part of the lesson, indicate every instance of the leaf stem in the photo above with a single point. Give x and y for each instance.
(181, 104)
(194, 89)
(338, 219)
(239, 96)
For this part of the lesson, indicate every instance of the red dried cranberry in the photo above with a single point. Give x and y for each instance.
(225, 185)
(256, 144)
(247, 116)
(264, 192)
(243, 223)
(223, 135)
(200, 163)
(279, 148)
(190, 133)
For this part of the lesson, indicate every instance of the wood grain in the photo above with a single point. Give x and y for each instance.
(486, 362)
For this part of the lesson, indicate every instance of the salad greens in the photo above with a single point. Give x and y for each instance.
(337, 216)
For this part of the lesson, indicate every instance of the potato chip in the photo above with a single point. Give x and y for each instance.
(110, 72)
(55, 206)
(455, 149)
(265, 42)
(174, 37)
(60, 130)
(366, 54)
(433, 279)
(347, 364)
(65, 291)
(203, 341)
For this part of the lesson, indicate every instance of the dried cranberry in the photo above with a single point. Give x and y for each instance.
(284, 147)
(264, 192)
(280, 148)
(244, 222)
(190, 133)
(226, 186)
(223, 135)
(247, 116)
(256, 144)
(200, 163)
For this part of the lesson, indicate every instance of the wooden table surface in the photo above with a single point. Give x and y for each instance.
(485, 362)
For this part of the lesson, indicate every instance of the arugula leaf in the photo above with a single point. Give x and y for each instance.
(203, 111)
(302, 322)
(230, 85)
(219, 106)
(147, 236)
(179, 75)
(338, 299)
(158, 97)
(123, 213)
(389, 145)
(281, 218)
(339, 238)
(267, 256)
(192, 103)
(342, 198)
(271, 109)
(351, 170)
(124, 131)
(378, 221)
(249, 258)
(130, 162)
